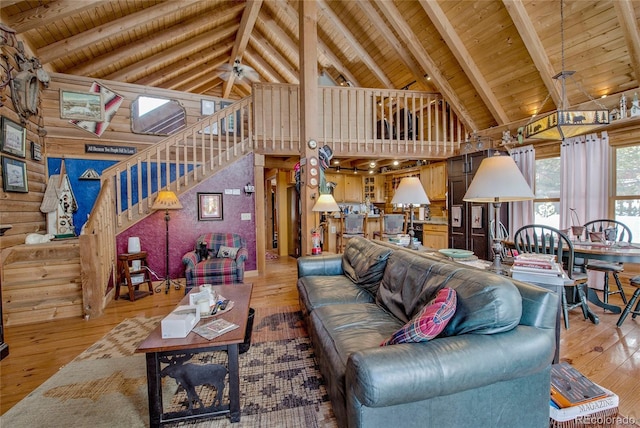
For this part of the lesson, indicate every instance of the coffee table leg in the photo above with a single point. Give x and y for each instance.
(234, 383)
(153, 389)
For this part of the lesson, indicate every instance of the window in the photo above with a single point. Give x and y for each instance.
(626, 200)
(546, 205)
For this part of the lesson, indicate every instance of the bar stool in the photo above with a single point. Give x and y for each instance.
(635, 282)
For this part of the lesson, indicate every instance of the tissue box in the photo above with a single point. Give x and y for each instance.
(179, 323)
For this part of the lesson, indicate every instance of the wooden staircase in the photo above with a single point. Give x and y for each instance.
(41, 282)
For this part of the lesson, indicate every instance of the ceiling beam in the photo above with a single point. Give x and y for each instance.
(355, 44)
(323, 50)
(273, 56)
(534, 46)
(426, 62)
(49, 13)
(629, 25)
(204, 71)
(171, 55)
(70, 45)
(200, 60)
(453, 41)
(247, 22)
(259, 64)
(397, 46)
(95, 67)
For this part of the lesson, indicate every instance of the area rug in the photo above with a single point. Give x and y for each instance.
(106, 386)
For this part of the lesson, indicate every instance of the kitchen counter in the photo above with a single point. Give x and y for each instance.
(433, 220)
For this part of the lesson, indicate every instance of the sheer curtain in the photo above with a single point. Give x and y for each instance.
(584, 181)
(521, 213)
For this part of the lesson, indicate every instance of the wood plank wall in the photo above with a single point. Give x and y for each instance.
(21, 210)
(63, 139)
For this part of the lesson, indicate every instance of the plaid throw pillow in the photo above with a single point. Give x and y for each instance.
(429, 322)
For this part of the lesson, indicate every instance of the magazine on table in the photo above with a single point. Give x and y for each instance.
(215, 328)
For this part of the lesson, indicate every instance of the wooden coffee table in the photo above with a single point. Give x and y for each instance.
(172, 353)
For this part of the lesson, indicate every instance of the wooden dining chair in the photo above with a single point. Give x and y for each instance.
(542, 239)
(391, 225)
(608, 230)
(351, 225)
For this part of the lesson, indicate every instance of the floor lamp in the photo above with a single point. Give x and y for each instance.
(325, 204)
(167, 200)
(410, 192)
(498, 180)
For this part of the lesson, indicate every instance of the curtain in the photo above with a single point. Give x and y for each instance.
(584, 185)
(584, 182)
(521, 213)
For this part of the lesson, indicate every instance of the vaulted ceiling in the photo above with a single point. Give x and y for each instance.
(493, 60)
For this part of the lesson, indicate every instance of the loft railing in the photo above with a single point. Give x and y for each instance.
(359, 122)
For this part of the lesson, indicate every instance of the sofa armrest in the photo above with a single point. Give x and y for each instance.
(190, 260)
(397, 374)
(242, 255)
(320, 265)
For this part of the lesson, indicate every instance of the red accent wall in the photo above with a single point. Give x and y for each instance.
(184, 227)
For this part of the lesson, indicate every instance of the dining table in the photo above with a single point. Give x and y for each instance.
(615, 252)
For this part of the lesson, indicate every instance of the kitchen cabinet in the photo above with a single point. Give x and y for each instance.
(435, 236)
(353, 191)
(469, 221)
(434, 180)
(374, 188)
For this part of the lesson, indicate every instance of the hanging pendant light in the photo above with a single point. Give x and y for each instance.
(564, 122)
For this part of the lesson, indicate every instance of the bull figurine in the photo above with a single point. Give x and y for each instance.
(191, 375)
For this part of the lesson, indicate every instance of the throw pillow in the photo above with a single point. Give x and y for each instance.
(428, 322)
(227, 252)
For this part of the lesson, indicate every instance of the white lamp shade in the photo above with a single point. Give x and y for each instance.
(498, 180)
(133, 245)
(326, 204)
(410, 192)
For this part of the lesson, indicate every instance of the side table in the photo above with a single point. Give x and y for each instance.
(126, 270)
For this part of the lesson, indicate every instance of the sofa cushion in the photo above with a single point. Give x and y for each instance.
(320, 290)
(486, 303)
(227, 252)
(429, 322)
(364, 262)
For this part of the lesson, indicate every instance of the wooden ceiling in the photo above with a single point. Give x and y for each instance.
(494, 61)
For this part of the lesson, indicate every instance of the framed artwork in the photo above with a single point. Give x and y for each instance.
(476, 216)
(81, 106)
(207, 107)
(13, 137)
(456, 216)
(36, 151)
(209, 206)
(14, 175)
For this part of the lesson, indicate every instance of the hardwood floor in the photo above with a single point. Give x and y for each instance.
(608, 355)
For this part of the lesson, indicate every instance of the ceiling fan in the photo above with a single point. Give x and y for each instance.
(239, 71)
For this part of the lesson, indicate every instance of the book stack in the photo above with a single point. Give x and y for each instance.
(537, 268)
(575, 399)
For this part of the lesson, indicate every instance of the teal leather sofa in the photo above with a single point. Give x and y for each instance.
(490, 367)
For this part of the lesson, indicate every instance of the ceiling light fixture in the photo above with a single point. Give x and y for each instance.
(564, 122)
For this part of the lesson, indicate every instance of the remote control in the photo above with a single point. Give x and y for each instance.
(224, 304)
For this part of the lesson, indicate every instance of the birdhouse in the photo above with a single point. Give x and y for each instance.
(59, 204)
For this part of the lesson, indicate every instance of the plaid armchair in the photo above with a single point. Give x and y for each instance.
(220, 260)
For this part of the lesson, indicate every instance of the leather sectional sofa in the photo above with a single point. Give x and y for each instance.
(490, 367)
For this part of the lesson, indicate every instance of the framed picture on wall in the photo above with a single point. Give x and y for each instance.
(14, 175)
(209, 206)
(476, 216)
(81, 106)
(13, 137)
